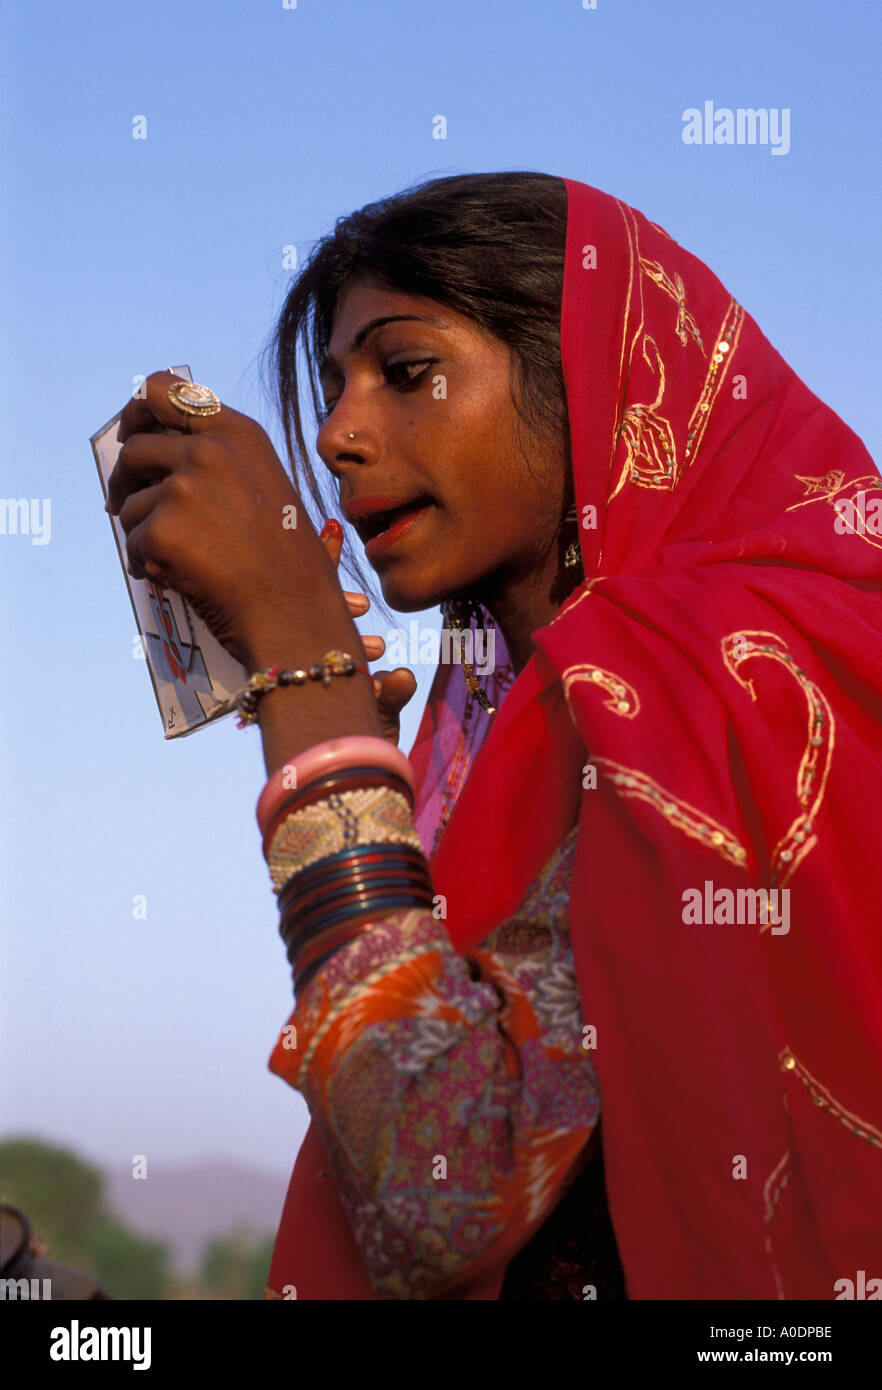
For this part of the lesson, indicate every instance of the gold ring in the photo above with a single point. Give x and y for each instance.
(193, 399)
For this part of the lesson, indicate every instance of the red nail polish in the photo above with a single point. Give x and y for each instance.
(333, 528)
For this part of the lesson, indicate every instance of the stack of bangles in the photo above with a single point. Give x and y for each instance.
(341, 846)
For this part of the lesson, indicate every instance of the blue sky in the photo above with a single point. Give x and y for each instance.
(120, 256)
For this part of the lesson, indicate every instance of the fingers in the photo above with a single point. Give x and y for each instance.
(144, 459)
(331, 537)
(152, 409)
(396, 688)
(374, 647)
(358, 604)
(136, 525)
(393, 689)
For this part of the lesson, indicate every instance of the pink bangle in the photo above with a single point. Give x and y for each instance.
(353, 751)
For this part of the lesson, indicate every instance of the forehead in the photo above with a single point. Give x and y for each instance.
(364, 300)
(364, 297)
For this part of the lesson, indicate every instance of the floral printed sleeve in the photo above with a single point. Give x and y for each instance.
(453, 1094)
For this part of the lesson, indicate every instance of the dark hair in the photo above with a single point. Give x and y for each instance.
(490, 246)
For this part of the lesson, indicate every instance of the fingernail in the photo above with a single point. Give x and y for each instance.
(333, 528)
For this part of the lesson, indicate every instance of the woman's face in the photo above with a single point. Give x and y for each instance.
(428, 399)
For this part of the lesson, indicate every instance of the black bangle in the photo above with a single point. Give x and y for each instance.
(346, 861)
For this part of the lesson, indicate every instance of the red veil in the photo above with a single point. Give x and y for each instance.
(707, 706)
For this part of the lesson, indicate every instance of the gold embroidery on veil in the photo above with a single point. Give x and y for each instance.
(833, 487)
(653, 459)
(814, 767)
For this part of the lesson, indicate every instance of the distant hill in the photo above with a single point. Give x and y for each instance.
(189, 1204)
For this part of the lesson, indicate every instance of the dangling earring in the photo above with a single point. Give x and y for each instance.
(573, 555)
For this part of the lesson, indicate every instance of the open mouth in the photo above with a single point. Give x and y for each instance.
(369, 528)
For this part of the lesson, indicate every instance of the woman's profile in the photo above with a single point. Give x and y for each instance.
(588, 987)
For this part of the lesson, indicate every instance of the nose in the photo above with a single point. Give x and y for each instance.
(341, 445)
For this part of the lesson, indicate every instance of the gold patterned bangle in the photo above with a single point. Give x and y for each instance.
(343, 820)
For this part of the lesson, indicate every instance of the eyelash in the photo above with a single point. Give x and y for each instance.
(411, 382)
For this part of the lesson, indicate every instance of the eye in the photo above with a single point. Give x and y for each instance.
(403, 366)
(404, 383)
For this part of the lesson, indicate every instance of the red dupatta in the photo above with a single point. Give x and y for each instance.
(719, 677)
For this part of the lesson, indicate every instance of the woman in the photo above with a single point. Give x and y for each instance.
(622, 1036)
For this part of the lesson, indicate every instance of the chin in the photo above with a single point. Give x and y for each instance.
(411, 598)
(414, 592)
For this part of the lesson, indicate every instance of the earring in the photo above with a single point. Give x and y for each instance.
(572, 556)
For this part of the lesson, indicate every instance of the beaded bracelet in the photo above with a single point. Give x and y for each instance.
(333, 663)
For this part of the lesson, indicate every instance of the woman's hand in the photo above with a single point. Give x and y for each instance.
(393, 689)
(213, 514)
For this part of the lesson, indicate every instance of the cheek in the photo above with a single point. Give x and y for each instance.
(466, 449)
(466, 438)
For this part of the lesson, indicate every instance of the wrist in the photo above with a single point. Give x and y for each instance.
(277, 648)
(293, 718)
(333, 665)
(277, 635)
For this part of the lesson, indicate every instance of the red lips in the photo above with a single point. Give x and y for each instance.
(361, 507)
(375, 516)
(391, 527)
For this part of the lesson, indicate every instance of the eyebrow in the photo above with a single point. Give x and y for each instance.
(370, 327)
